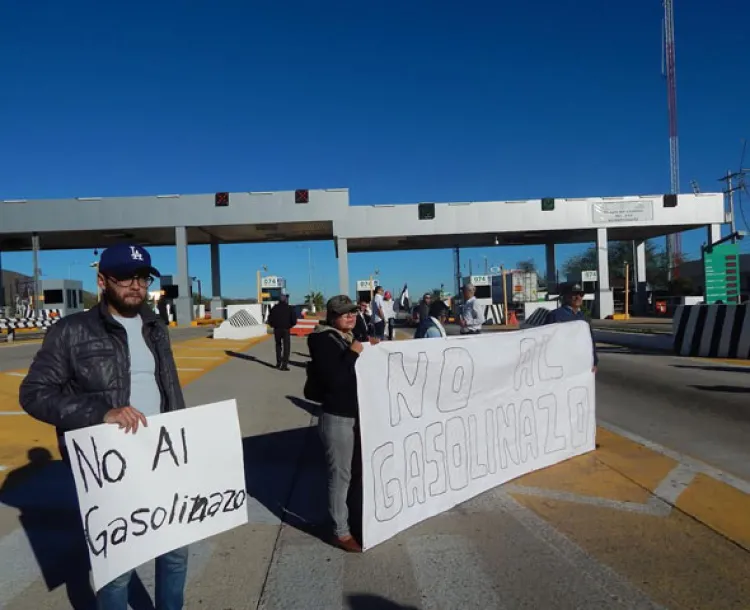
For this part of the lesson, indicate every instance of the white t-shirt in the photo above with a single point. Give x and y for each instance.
(144, 390)
(388, 310)
(377, 305)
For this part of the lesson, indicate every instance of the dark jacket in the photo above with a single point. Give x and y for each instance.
(333, 365)
(362, 329)
(282, 316)
(82, 370)
(566, 314)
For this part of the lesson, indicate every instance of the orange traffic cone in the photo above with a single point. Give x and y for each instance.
(512, 320)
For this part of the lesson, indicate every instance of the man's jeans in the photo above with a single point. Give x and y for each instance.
(171, 573)
(339, 439)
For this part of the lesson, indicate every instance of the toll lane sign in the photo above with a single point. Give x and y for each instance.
(721, 267)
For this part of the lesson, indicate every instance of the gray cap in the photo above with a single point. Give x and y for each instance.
(339, 305)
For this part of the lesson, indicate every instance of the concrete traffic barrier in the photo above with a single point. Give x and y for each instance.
(639, 341)
(712, 331)
(304, 326)
(243, 322)
(538, 318)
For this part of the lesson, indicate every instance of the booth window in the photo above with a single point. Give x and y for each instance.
(483, 292)
(53, 296)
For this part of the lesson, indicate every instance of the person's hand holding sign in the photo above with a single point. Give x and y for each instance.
(126, 417)
(356, 347)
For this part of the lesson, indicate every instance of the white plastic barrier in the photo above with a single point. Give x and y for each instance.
(243, 322)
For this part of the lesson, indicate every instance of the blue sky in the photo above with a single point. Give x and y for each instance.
(399, 102)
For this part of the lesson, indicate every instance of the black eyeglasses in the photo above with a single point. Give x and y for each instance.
(143, 282)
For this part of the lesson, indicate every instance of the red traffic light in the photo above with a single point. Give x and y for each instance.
(221, 199)
(301, 196)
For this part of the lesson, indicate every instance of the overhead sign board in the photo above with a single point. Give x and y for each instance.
(365, 284)
(589, 276)
(622, 212)
(272, 281)
(721, 265)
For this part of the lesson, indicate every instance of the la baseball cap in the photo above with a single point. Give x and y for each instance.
(126, 260)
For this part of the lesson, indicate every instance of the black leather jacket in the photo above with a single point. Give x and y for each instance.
(82, 370)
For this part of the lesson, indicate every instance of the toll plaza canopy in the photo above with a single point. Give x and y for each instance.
(325, 214)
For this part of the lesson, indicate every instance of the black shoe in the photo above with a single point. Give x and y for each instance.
(285, 367)
(278, 365)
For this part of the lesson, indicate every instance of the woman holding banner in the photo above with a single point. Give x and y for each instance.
(332, 381)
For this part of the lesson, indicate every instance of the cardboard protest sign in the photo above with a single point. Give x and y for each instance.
(443, 420)
(177, 481)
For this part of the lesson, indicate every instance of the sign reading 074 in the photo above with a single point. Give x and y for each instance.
(273, 281)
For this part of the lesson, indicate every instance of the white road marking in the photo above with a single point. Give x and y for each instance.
(603, 576)
(675, 483)
(3, 468)
(435, 558)
(13, 413)
(657, 508)
(186, 369)
(14, 374)
(691, 463)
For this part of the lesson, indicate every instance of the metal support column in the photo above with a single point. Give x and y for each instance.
(35, 251)
(605, 303)
(342, 253)
(640, 304)
(184, 302)
(549, 250)
(217, 303)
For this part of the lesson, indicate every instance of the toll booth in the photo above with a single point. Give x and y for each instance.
(364, 288)
(62, 296)
(272, 287)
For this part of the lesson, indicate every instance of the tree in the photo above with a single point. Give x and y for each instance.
(621, 252)
(527, 266)
(316, 300)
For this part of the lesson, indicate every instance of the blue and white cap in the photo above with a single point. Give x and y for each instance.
(125, 261)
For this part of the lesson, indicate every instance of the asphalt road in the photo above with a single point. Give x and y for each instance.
(696, 406)
(580, 534)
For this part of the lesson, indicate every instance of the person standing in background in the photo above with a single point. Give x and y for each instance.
(570, 310)
(390, 314)
(472, 316)
(362, 325)
(282, 318)
(433, 327)
(378, 314)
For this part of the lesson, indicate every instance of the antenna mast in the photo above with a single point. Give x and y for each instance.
(674, 242)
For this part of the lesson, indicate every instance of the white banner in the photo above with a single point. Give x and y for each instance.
(443, 420)
(615, 212)
(177, 481)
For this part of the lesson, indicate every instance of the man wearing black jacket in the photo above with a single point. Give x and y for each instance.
(112, 364)
(362, 330)
(282, 318)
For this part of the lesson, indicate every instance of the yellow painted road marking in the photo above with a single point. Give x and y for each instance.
(677, 561)
(19, 434)
(721, 507)
(734, 361)
(641, 465)
(586, 476)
